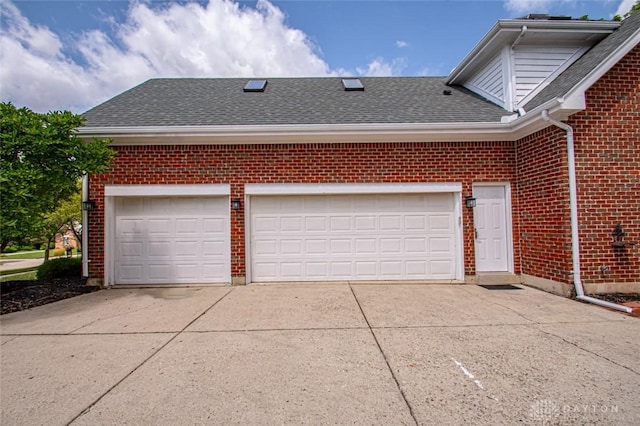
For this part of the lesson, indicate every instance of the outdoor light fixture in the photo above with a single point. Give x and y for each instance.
(88, 205)
(470, 202)
(235, 204)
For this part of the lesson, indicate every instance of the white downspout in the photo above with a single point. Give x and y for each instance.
(85, 227)
(573, 205)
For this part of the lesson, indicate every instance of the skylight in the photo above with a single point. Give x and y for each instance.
(352, 84)
(255, 86)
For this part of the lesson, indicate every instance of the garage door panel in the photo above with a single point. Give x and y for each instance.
(165, 240)
(355, 237)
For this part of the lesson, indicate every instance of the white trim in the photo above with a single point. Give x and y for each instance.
(349, 188)
(247, 237)
(459, 237)
(508, 219)
(604, 67)
(109, 240)
(166, 190)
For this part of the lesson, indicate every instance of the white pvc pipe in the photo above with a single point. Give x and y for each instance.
(573, 208)
(85, 228)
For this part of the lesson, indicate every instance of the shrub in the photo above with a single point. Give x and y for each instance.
(66, 267)
(10, 249)
(58, 252)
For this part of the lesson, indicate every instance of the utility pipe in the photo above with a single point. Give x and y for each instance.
(85, 227)
(573, 205)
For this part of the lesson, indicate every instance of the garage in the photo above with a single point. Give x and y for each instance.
(338, 237)
(171, 240)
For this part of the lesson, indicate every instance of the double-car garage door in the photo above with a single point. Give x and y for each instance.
(352, 237)
(311, 237)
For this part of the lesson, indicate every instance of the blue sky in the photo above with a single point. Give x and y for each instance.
(76, 54)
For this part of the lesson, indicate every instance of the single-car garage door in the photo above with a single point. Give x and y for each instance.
(352, 237)
(170, 240)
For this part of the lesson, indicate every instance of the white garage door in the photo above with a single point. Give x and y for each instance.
(171, 240)
(352, 237)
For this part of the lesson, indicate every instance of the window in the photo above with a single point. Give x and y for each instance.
(255, 86)
(352, 84)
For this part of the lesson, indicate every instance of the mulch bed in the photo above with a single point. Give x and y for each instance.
(618, 297)
(19, 295)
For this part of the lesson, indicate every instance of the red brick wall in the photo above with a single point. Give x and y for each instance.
(305, 163)
(543, 191)
(607, 147)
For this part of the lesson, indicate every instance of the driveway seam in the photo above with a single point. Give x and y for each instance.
(147, 359)
(384, 356)
(548, 333)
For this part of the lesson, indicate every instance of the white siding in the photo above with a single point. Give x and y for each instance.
(535, 64)
(489, 80)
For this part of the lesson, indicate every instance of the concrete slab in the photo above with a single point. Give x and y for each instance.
(260, 377)
(283, 307)
(51, 379)
(434, 305)
(507, 375)
(618, 342)
(116, 311)
(539, 306)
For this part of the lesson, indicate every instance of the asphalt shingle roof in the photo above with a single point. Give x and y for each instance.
(583, 66)
(211, 102)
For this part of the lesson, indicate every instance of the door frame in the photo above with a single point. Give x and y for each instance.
(258, 189)
(508, 224)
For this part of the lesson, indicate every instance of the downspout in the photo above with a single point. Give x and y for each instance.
(512, 66)
(85, 227)
(573, 205)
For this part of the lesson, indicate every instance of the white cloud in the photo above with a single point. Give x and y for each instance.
(528, 6)
(379, 67)
(624, 7)
(218, 39)
(401, 44)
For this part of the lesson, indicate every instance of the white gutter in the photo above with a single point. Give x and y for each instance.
(85, 227)
(573, 205)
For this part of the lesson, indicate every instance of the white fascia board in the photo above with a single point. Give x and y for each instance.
(166, 190)
(350, 188)
(328, 133)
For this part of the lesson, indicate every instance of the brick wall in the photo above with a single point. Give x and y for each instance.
(543, 192)
(305, 163)
(607, 146)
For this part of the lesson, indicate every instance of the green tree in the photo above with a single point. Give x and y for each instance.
(41, 161)
(635, 8)
(66, 217)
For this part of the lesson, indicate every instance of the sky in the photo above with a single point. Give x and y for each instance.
(74, 55)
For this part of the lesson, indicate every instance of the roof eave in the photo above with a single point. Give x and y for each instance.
(330, 133)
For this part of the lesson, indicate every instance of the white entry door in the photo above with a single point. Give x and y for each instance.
(491, 228)
(353, 237)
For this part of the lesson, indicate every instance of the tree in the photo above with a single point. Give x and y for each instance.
(66, 217)
(41, 161)
(635, 8)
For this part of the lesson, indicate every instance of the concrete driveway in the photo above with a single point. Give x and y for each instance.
(320, 354)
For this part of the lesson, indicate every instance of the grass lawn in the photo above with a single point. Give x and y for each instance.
(36, 254)
(23, 276)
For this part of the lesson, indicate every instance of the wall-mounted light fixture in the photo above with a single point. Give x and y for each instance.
(469, 201)
(235, 204)
(88, 205)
